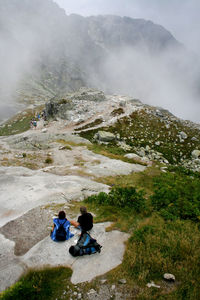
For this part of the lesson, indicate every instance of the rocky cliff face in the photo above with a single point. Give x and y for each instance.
(46, 52)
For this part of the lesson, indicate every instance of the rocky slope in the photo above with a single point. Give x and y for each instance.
(44, 169)
(51, 53)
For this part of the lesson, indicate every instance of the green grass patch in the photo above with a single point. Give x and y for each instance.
(19, 123)
(158, 244)
(41, 285)
(121, 198)
(112, 151)
(48, 160)
(140, 180)
(177, 196)
(159, 247)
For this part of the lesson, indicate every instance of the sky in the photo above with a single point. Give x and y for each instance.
(180, 17)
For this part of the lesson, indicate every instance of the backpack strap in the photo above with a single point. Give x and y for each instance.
(62, 223)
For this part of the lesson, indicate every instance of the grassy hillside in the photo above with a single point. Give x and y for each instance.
(142, 128)
(160, 210)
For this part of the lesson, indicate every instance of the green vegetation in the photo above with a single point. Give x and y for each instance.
(48, 160)
(19, 123)
(41, 285)
(121, 197)
(65, 101)
(92, 124)
(141, 129)
(177, 196)
(160, 211)
(117, 112)
(164, 231)
(113, 152)
(159, 247)
(142, 180)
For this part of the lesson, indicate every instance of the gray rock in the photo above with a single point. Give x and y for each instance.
(147, 148)
(92, 291)
(145, 159)
(141, 152)
(183, 135)
(103, 281)
(132, 156)
(152, 284)
(122, 103)
(195, 153)
(104, 136)
(118, 136)
(169, 277)
(122, 281)
(159, 113)
(194, 139)
(124, 146)
(87, 94)
(197, 161)
(58, 107)
(157, 143)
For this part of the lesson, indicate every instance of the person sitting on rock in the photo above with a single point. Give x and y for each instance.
(85, 220)
(61, 228)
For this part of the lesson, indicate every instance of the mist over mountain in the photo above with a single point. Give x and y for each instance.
(44, 52)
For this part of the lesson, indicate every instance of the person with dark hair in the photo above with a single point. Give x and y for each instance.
(61, 228)
(85, 220)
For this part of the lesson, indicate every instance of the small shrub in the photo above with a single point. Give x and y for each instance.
(64, 101)
(121, 197)
(117, 112)
(48, 160)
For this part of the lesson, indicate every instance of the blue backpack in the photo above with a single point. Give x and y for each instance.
(61, 232)
(85, 245)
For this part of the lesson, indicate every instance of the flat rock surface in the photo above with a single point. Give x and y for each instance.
(23, 189)
(27, 196)
(49, 253)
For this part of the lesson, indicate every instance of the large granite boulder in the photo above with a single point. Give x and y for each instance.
(87, 94)
(104, 136)
(58, 108)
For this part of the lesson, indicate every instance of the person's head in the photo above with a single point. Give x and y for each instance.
(83, 210)
(61, 215)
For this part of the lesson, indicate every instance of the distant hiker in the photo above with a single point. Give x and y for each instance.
(34, 123)
(60, 230)
(38, 116)
(31, 123)
(85, 220)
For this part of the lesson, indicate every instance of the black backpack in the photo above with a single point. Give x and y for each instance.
(61, 232)
(85, 245)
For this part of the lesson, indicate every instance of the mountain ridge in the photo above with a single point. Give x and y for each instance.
(51, 42)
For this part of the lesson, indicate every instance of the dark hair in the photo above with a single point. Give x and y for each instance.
(61, 214)
(83, 210)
